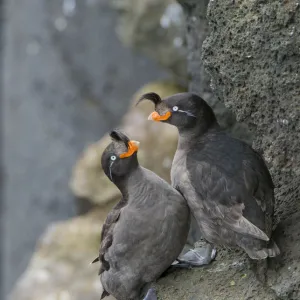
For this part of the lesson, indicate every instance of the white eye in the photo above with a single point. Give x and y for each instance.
(175, 108)
(113, 157)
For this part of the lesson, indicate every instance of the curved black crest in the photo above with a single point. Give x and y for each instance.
(119, 136)
(155, 98)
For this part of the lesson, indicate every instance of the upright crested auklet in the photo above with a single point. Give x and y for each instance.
(226, 183)
(145, 232)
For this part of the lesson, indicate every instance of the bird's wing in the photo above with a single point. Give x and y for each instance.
(107, 233)
(258, 182)
(111, 219)
(222, 197)
(255, 177)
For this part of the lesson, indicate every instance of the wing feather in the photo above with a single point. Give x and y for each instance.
(107, 233)
(223, 198)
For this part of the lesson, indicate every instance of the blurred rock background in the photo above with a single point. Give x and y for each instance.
(72, 70)
(67, 80)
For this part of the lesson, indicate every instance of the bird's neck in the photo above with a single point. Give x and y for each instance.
(189, 137)
(127, 185)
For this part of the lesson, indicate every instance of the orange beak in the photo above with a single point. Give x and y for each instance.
(155, 116)
(133, 146)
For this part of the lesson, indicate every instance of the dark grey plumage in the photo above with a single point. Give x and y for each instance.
(146, 230)
(225, 182)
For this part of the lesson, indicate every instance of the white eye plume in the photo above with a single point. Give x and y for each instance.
(176, 108)
(112, 160)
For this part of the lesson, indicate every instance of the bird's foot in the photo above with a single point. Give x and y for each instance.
(203, 254)
(197, 257)
(151, 295)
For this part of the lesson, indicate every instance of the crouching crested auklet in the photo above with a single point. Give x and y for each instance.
(145, 232)
(225, 182)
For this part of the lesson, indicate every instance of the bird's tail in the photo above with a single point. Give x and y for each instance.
(271, 250)
(259, 261)
(104, 294)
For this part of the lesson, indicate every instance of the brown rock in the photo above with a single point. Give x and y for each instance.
(158, 144)
(60, 267)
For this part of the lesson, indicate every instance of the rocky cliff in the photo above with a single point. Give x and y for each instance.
(252, 57)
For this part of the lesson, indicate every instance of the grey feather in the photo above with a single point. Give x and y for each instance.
(148, 235)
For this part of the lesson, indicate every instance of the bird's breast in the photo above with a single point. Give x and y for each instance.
(178, 168)
(181, 181)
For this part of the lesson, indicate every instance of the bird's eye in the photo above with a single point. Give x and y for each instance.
(175, 108)
(113, 157)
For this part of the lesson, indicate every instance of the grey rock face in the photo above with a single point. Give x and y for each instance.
(284, 272)
(196, 32)
(253, 57)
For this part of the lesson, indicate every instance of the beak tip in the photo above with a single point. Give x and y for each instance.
(154, 116)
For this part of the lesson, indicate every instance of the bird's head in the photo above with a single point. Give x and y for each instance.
(119, 158)
(186, 111)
